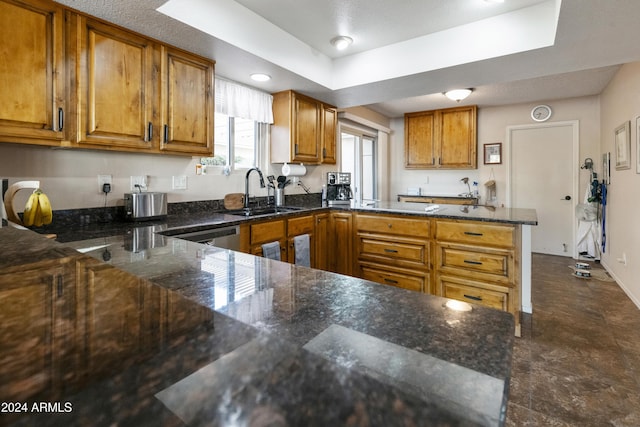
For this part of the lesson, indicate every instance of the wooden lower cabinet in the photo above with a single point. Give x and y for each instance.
(268, 232)
(394, 250)
(322, 247)
(341, 243)
(297, 227)
(479, 262)
(490, 295)
(400, 278)
(471, 261)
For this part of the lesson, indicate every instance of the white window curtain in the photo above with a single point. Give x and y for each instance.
(236, 100)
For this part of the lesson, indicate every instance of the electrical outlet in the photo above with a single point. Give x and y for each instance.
(102, 180)
(140, 180)
(180, 182)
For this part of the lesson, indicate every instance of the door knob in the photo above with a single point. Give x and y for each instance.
(566, 198)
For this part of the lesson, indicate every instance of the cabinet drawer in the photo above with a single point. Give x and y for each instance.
(267, 232)
(393, 225)
(475, 295)
(481, 262)
(393, 250)
(298, 226)
(400, 280)
(476, 233)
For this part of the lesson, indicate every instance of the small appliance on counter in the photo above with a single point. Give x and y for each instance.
(339, 189)
(145, 206)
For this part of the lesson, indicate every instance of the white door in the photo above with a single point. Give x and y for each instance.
(542, 176)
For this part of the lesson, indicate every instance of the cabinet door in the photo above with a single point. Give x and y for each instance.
(419, 140)
(457, 138)
(32, 72)
(342, 243)
(113, 316)
(306, 134)
(329, 127)
(117, 86)
(321, 233)
(297, 227)
(188, 103)
(37, 330)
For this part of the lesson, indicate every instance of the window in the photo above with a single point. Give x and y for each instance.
(235, 138)
(242, 120)
(358, 156)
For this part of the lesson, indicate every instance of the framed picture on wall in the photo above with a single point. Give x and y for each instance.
(623, 146)
(493, 153)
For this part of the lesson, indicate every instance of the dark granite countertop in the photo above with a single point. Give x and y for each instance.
(69, 229)
(206, 336)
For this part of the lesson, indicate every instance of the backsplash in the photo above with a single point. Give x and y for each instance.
(105, 215)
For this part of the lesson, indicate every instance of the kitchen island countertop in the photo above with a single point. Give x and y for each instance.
(267, 341)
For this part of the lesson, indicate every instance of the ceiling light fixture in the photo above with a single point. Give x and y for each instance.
(341, 42)
(260, 77)
(458, 94)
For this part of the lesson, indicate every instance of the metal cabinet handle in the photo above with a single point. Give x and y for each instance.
(473, 297)
(166, 134)
(392, 251)
(471, 233)
(324, 152)
(60, 286)
(60, 118)
(390, 280)
(150, 132)
(468, 261)
(295, 149)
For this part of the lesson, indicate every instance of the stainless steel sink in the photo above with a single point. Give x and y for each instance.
(264, 210)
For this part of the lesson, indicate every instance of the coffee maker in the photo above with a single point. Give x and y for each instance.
(339, 189)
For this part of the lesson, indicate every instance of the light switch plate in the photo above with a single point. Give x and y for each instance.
(180, 182)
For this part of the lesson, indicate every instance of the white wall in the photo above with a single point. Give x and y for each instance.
(619, 103)
(70, 177)
(492, 128)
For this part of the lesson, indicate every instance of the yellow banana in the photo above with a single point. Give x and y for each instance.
(30, 209)
(46, 214)
(37, 221)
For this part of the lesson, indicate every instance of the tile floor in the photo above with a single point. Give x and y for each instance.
(578, 361)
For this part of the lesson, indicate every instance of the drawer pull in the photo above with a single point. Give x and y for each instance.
(471, 233)
(392, 251)
(390, 280)
(468, 261)
(473, 297)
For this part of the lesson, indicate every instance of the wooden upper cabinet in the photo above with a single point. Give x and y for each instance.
(188, 103)
(419, 140)
(303, 129)
(32, 72)
(329, 128)
(444, 139)
(117, 89)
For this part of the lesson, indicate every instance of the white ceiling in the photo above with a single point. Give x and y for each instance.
(405, 53)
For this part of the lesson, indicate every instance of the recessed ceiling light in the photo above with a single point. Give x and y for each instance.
(494, 1)
(341, 42)
(260, 77)
(458, 94)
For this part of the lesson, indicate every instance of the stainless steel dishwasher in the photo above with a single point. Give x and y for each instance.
(223, 237)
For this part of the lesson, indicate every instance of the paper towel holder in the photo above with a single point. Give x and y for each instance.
(294, 170)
